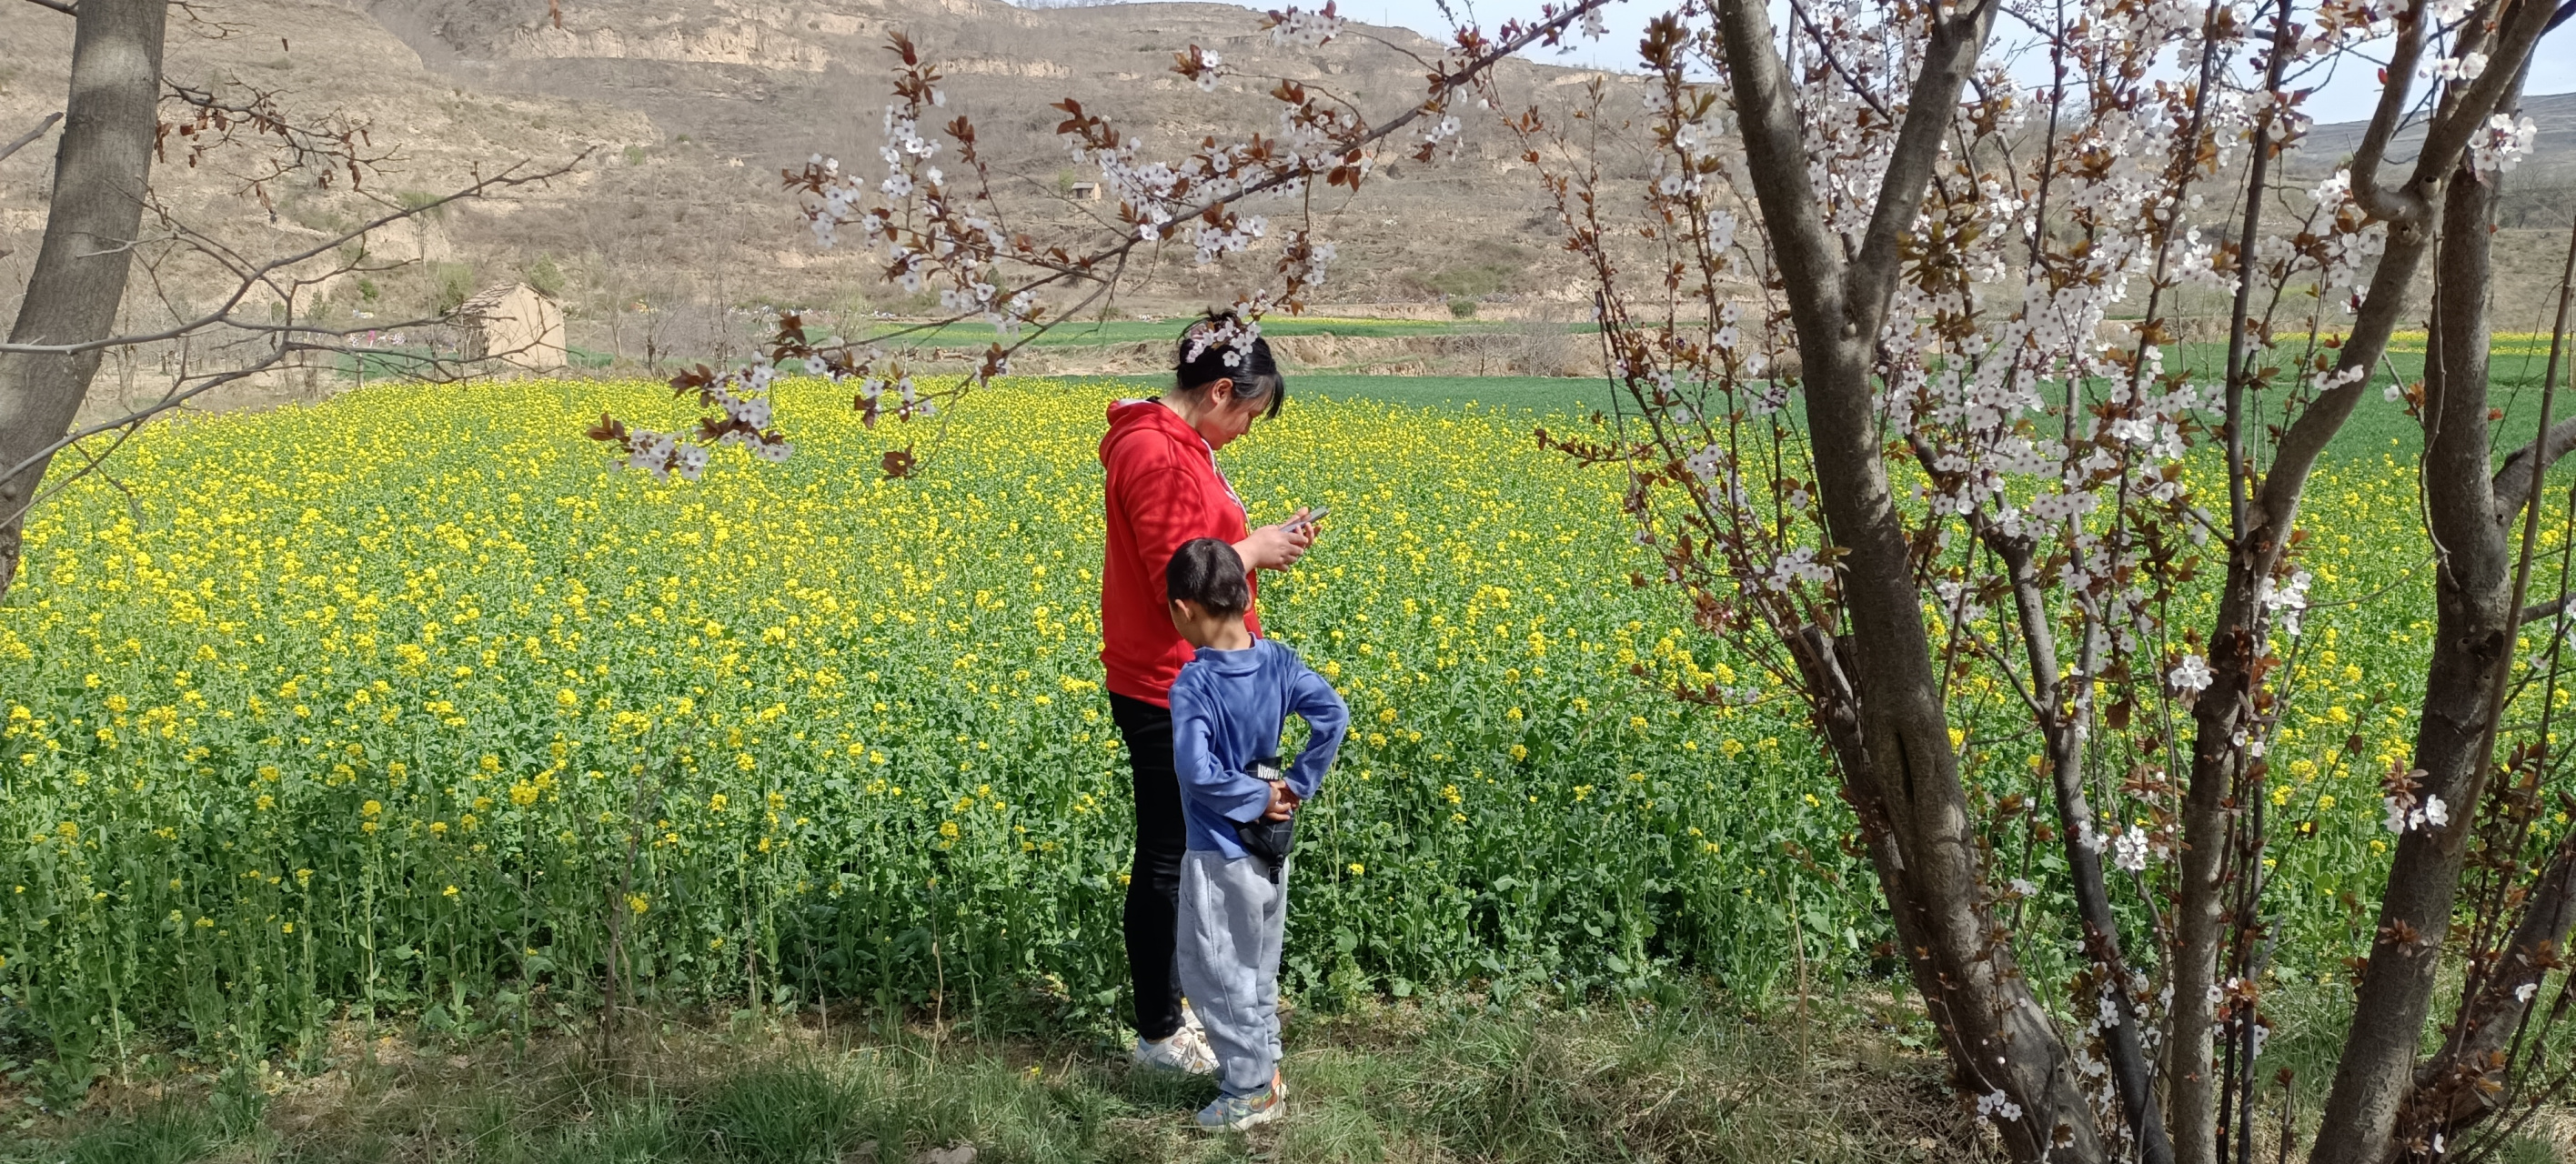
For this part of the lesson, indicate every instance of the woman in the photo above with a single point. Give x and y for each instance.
(1164, 490)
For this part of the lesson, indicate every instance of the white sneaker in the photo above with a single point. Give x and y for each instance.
(1239, 1113)
(1186, 1052)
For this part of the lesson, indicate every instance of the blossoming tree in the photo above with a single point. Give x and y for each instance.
(1879, 422)
(1969, 470)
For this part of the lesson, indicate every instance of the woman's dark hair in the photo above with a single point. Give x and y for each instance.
(1210, 352)
(1208, 572)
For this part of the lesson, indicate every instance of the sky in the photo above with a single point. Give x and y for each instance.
(2345, 97)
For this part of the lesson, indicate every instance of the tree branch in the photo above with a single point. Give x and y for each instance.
(2519, 479)
(1949, 56)
(2514, 479)
(2540, 610)
(1810, 266)
(2409, 236)
(30, 135)
(2384, 119)
(933, 228)
(2523, 25)
(56, 5)
(128, 423)
(255, 275)
(2131, 1068)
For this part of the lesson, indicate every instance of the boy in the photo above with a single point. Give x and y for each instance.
(1228, 707)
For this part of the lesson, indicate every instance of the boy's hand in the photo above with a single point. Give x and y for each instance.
(1282, 802)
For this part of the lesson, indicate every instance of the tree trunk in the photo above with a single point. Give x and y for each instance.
(1998, 1036)
(2474, 620)
(2459, 1088)
(1900, 767)
(2470, 1079)
(72, 297)
(2233, 652)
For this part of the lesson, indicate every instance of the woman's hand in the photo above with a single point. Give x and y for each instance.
(1277, 547)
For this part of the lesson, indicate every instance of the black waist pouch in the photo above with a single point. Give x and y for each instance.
(1267, 840)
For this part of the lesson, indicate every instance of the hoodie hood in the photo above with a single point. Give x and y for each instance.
(1130, 419)
(1251, 660)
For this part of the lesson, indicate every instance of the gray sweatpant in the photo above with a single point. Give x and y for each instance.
(1228, 958)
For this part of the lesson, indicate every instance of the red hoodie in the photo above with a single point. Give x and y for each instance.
(1164, 489)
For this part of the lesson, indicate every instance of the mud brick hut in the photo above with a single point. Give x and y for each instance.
(515, 325)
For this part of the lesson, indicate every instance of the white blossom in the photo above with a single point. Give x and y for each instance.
(2287, 601)
(2129, 851)
(2404, 816)
(2465, 67)
(2501, 144)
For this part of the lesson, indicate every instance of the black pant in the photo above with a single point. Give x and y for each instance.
(1154, 881)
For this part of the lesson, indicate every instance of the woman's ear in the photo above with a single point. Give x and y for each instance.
(1220, 391)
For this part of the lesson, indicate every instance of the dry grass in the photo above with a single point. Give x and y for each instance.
(1450, 1079)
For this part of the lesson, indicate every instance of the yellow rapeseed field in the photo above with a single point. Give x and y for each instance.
(407, 704)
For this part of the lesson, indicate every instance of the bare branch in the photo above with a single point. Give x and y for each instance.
(30, 135)
(2513, 479)
(335, 146)
(2551, 608)
(285, 339)
(2517, 481)
(254, 276)
(128, 424)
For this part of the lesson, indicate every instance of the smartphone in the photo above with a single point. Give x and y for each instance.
(1318, 515)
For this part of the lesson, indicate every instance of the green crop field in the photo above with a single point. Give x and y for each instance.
(1089, 332)
(404, 705)
(2376, 426)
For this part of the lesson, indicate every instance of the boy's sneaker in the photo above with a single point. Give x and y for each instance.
(1235, 1113)
(1186, 1052)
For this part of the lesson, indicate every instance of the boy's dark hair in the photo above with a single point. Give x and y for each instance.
(1209, 353)
(1208, 572)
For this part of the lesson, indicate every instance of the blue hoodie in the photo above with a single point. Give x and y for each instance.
(1228, 709)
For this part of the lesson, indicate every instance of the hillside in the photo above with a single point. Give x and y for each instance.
(672, 230)
(676, 221)
(2540, 192)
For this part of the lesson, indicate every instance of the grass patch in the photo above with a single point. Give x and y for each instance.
(784, 1113)
(174, 1134)
(1450, 1078)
